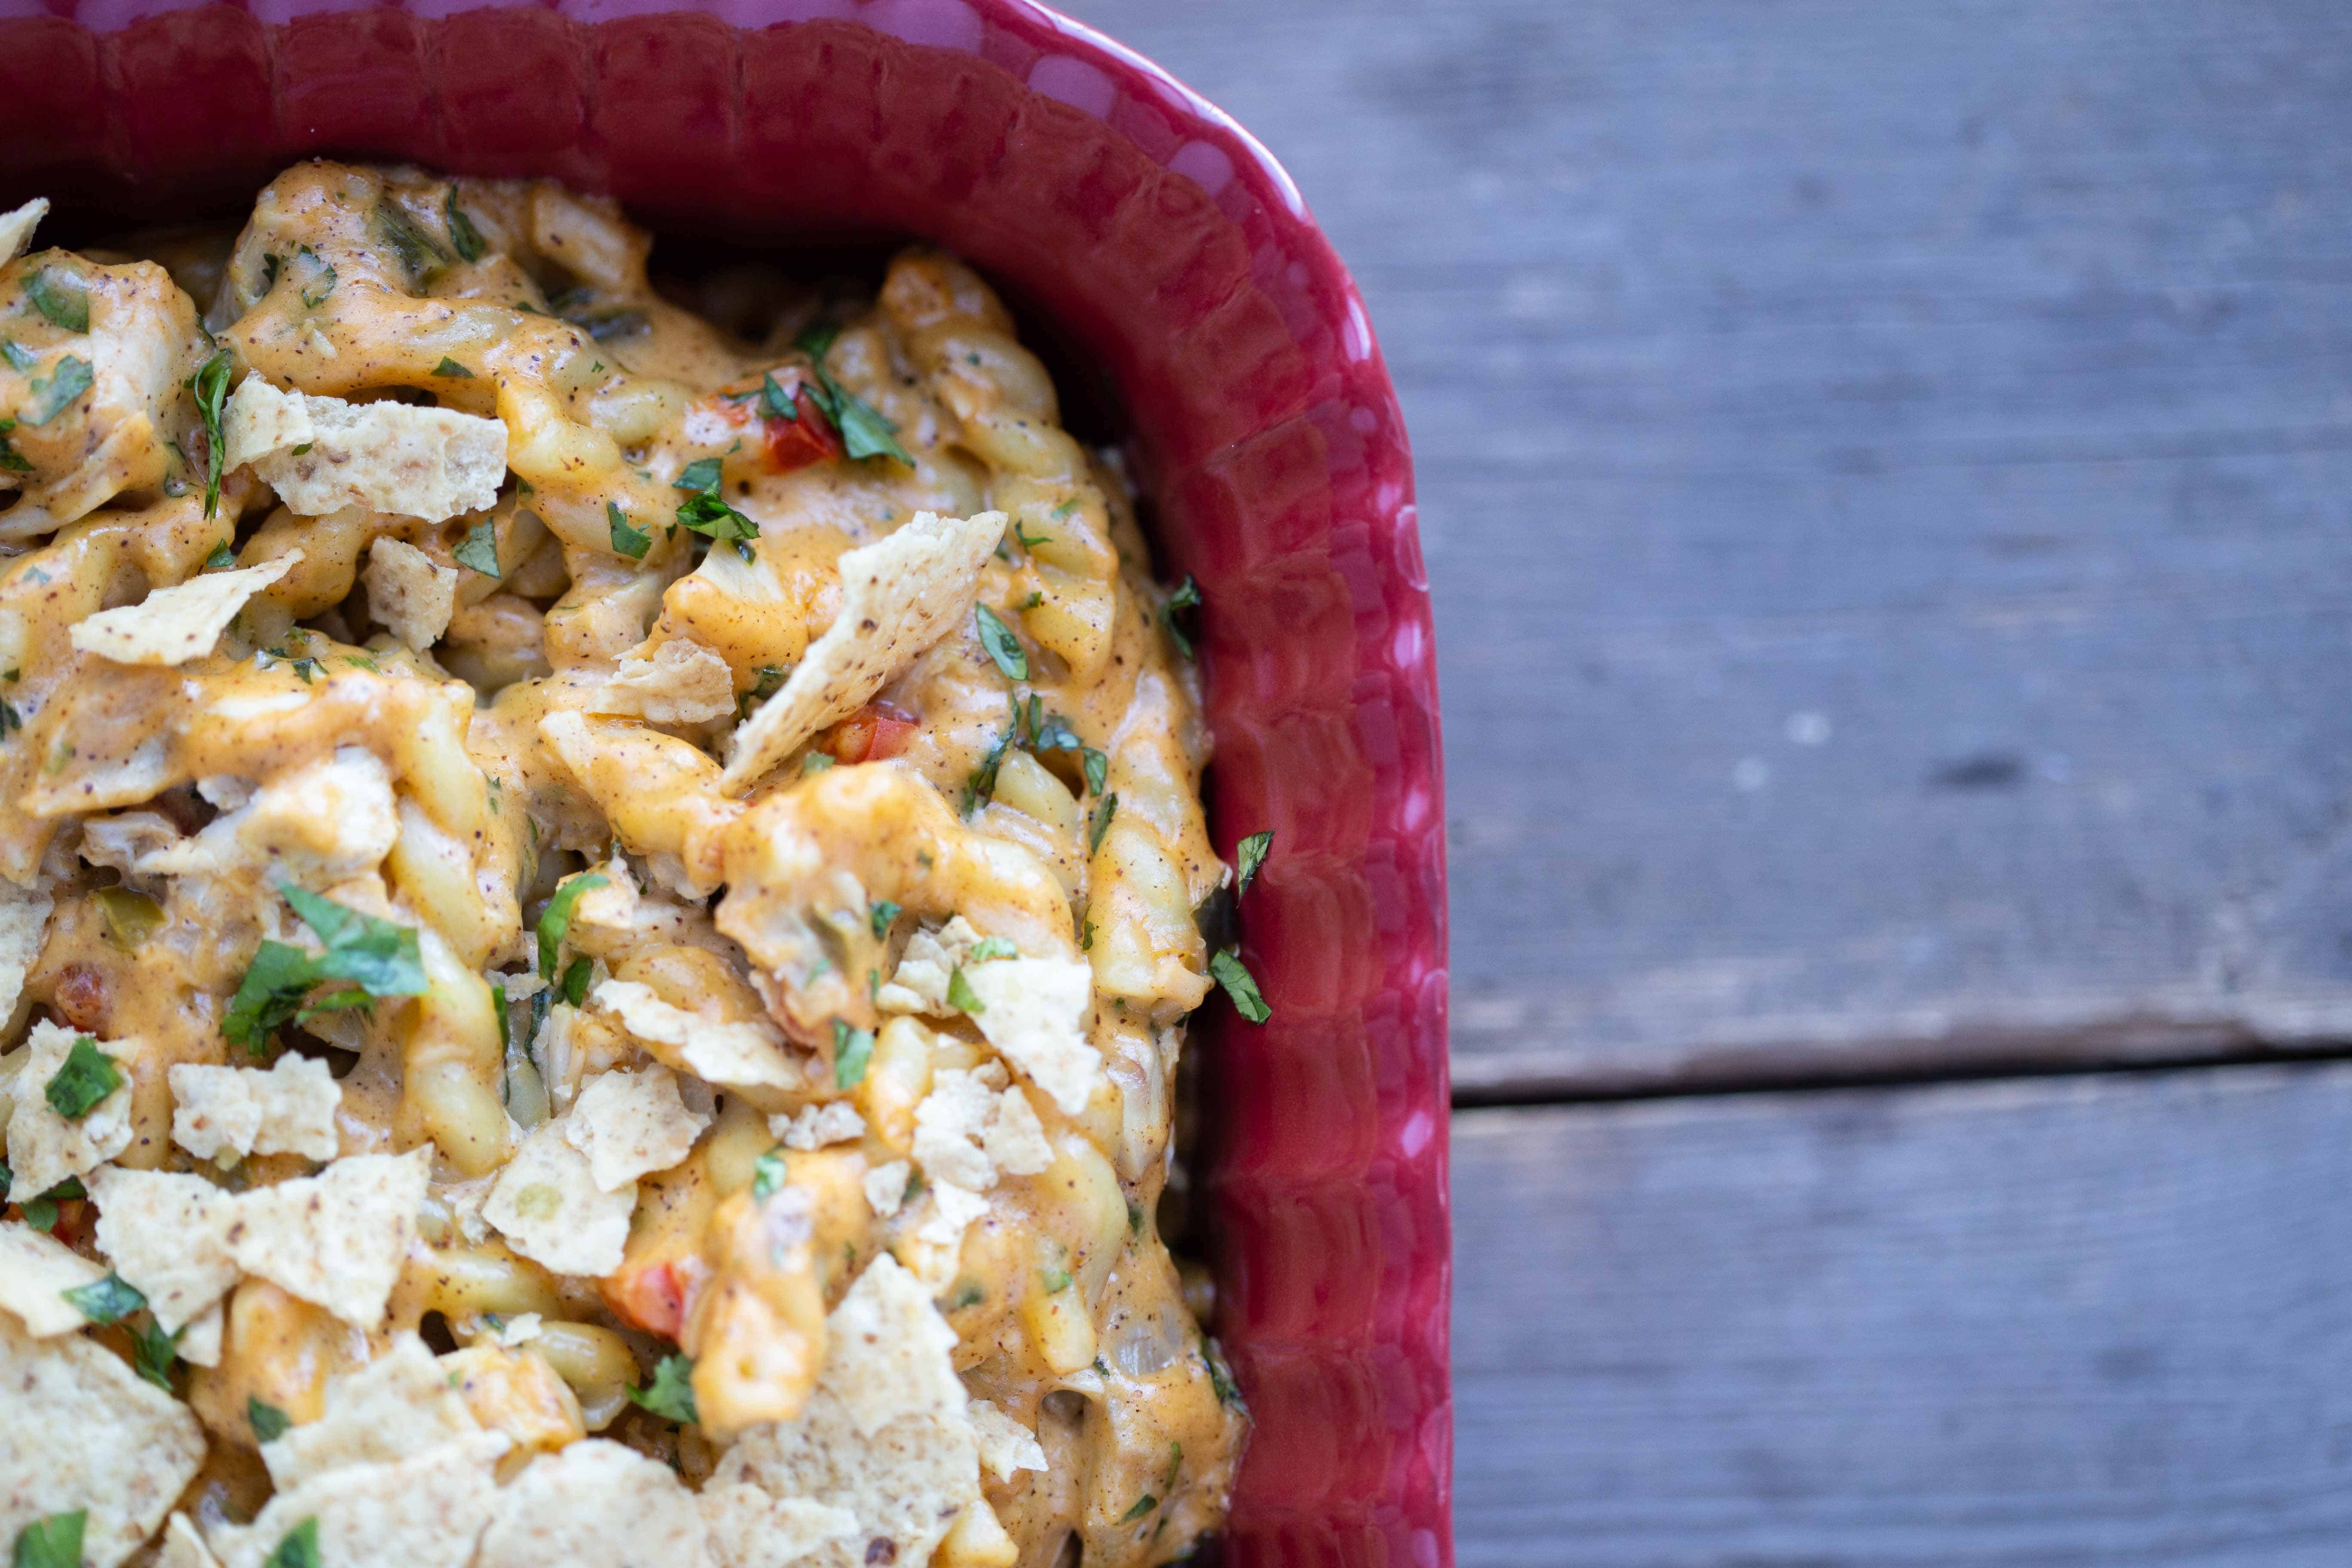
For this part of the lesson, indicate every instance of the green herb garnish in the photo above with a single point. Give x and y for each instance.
(60, 298)
(880, 916)
(774, 401)
(702, 474)
(154, 1353)
(767, 1175)
(268, 1422)
(377, 958)
(574, 984)
(55, 393)
(463, 235)
(211, 387)
(51, 1542)
(299, 1549)
(1002, 646)
(990, 947)
(480, 549)
(555, 921)
(961, 994)
(449, 367)
(222, 555)
(420, 254)
(1253, 855)
(627, 540)
(106, 1301)
(1187, 596)
(852, 1049)
(87, 1076)
(670, 1395)
(1098, 822)
(1226, 967)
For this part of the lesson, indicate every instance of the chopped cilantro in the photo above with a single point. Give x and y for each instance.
(608, 324)
(670, 1395)
(1055, 1280)
(990, 947)
(10, 458)
(481, 550)
(707, 515)
(268, 1422)
(852, 1049)
(222, 555)
(968, 1294)
(982, 784)
(961, 996)
(320, 281)
(1030, 540)
(1064, 510)
(19, 356)
(1086, 937)
(463, 235)
(10, 720)
(60, 298)
(1053, 735)
(556, 920)
(864, 433)
(575, 981)
(51, 1542)
(1001, 644)
(768, 682)
(1098, 822)
(420, 254)
(1134, 1217)
(702, 474)
(211, 387)
(880, 915)
(767, 1175)
(106, 1301)
(816, 763)
(1226, 967)
(1187, 596)
(1143, 1505)
(774, 401)
(362, 661)
(376, 956)
(87, 1076)
(1098, 768)
(449, 367)
(55, 393)
(816, 340)
(1253, 855)
(299, 1549)
(627, 540)
(154, 1353)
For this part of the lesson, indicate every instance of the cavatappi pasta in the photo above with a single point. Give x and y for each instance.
(597, 907)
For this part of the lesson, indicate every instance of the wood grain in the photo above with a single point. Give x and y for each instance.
(2093, 1321)
(1884, 474)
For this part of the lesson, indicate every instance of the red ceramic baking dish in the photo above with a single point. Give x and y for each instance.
(1170, 252)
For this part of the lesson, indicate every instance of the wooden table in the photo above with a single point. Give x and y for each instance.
(1885, 473)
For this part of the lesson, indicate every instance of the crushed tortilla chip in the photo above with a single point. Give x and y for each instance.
(594, 1504)
(181, 1547)
(409, 592)
(549, 1206)
(885, 1187)
(898, 597)
(200, 1341)
(817, 1126)
(23, 926)
(289, 1109)
(1034, 1011)
(919, 983)
(36, 1270)
(432, 463)
(44, 1148)
(336, 1238)
(749, 1529)
(886, 1435)
(172, 626)
(682, 683)
(401, 1403)
(425, 1511)
(83, 1431)
(1005, 1444)
(732, 1056)
(948, 1126)
(631, 1124)
(16, 229)
(168, 1235)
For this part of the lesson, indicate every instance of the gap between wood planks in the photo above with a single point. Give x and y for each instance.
(1541, 1092)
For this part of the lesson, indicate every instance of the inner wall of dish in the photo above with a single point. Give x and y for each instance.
(1148, 252)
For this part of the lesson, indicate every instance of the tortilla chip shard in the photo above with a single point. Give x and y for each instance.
(898, 595)
(174, 625)
(84, 1432)
(323, 454)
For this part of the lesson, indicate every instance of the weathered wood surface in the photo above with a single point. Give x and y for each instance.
(2102, 1321)
(1885, 473)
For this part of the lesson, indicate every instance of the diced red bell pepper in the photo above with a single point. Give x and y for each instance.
(657, 1296)
(872, 734)
(797, 443)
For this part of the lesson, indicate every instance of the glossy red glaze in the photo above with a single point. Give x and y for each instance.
(1178, 255)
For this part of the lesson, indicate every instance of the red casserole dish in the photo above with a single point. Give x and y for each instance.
(1176, 255)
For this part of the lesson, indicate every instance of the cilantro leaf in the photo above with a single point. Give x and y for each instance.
(1100, 822)
(961, 996)
(1053, 735)
(1143, 1505)
(451, 368)
(775, 403)
(982, 784)
(1097, 769)
(1001, 644)
(556, 920)
(852, 1049)
(51, 1542)
(106, 1301)
(211, 387)
(990, 947)
(420, 254)
(375, 955)
(55, 393)
(1253, 855)
(320, 281)
(19, 356)
(268, 1422)
(299, 1549)
(767, 1175)
(1225, 965)
(1187, 596)
(154, 1353)
(481, 550)
(60, 298)
(702, 474)
(864, 433)
(627, 540)
(462, 232)
(574, 986)
(670, 1395)
(816, 340)
(10, 458)
(1055, 1280)
(221, 556)
(707, 515)
(880, 915)
(272, 993)
(89, 1075)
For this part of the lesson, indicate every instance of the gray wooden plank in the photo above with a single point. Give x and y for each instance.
(1885, 471)
(2090, 1321)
